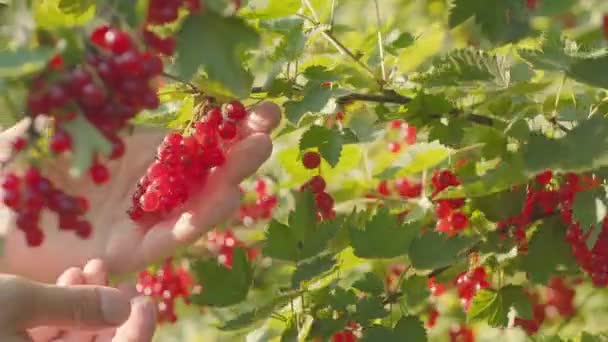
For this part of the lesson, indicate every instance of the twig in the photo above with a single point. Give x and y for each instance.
(182, 81)
(312, 10)
(380, 42)
(344, 50)
(328, 35)
(388, 97)
(332, 15)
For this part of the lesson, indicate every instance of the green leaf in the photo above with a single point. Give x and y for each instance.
(493, 140)
(509, 173)
(259, 313)
(320, 73)
(549, 239)
(87, 142)
(502, 21)
(418, 158)
(276, 9)
(303, 238)
(410, 328)
(290, 334)
(370, 283)
(48, 14)
(415, 291)
(587, 337)
(501, 205)
(76, 7)
(562, 55)
(424, 250)
(223, 286)
(539, 153)
(493, 307)
(293, 38)
(215, 43)
(382, 237)
(378, 333)
(312, 268)
(369, 308)
(467, 67)
(328, 141)
(23, 61)
(315, 99)
(589, 209)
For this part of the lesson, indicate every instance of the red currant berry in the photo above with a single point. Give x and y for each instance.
(311, 160)
(150, 201)
(92, 96)
(324, 201)
(84, 229)
(98, 36)
(227, 130)
(317, 184)
(236, 111)
(60, 142)
(99, 173)
(117, 41)
(34, 237)
(19, 144)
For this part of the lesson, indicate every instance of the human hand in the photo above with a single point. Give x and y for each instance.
(117, 240)
(77, 309)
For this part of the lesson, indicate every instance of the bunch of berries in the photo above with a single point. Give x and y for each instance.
(184, 161)
(27, 196)
(166, 286)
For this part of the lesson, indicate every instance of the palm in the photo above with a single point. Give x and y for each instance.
(123, 245)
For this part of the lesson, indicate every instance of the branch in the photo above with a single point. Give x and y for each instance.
(182, 81)
(388, 97)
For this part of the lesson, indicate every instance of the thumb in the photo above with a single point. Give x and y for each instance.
(27, 304)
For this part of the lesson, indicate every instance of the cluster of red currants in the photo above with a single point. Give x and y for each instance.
(532, 4)
(461, 333)
(407, 133)
(317, 184)
(261, 208)
(224, 243)
(344, 336)
(161, 12)
(403, 186)
(450, 219)
(559, 301)
(543, 199)
(166, 286)
(182, 161)
(29, 194)
(468, 283)
(107, 89)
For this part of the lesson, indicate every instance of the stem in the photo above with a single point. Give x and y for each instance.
(380, 42)
(332, 15)
(558, 95)
(312, 10)
(345, 51)
(182, 81)
(389, 97)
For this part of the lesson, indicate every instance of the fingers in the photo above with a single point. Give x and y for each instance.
(262, 119)
(95, 273)
(220, 197)
(30, 304)
(72, 276)
(141, 324)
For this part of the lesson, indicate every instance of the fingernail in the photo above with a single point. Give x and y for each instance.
(115, 307)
